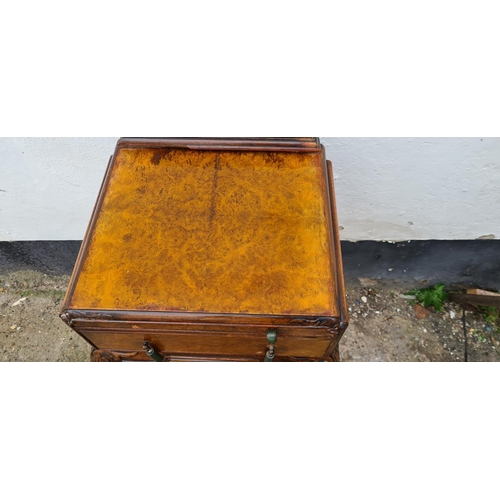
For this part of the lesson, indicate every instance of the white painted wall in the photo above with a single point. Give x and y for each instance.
(417, 189)
(387, 188)
(49, 186)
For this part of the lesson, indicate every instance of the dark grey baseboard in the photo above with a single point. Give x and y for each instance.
(49, 257)
(470, 262)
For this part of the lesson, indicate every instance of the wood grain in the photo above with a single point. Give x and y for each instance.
(210, 231)
(201, 245)
(213, 344)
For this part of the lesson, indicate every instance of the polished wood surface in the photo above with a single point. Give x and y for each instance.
(200, 246)
(211, 232)
(113, 355)
(266, 144)
(213, 344)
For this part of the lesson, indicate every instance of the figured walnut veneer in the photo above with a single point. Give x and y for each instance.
(228, 228)
(210, 232)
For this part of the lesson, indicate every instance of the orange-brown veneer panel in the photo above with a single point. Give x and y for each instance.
(208, 231)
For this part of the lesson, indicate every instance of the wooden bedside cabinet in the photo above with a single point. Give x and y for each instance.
(212, 249)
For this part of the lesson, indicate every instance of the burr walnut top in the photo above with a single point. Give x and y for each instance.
(207, 230)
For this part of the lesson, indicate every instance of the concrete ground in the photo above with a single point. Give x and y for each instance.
(383, 327)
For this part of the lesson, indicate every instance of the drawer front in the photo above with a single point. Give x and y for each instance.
(144, 327)
(215, 343)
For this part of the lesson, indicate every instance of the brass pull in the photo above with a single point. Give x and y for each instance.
(272, 338)
(152, 352)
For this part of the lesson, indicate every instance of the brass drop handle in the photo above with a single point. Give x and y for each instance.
(272, 338)
(152, 352)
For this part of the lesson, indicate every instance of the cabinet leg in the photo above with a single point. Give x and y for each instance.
(335, 355)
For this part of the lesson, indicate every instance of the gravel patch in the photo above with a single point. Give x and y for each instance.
(384, 325)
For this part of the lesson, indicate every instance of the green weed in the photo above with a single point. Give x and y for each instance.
(491, 315)
(434, 296)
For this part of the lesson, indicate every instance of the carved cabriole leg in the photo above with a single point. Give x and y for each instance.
(335, 356)
(101, 355)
